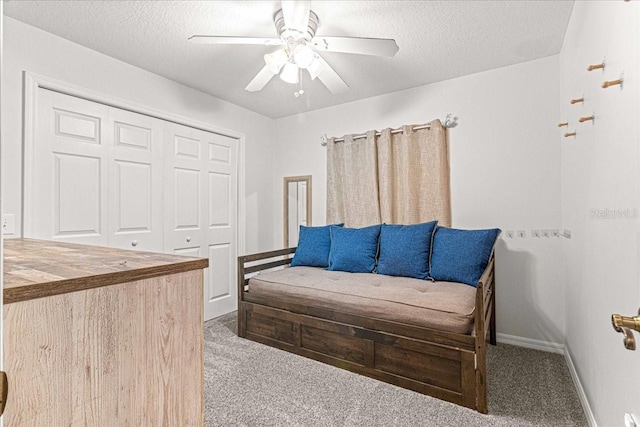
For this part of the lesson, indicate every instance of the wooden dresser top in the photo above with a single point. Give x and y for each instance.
(40, 268)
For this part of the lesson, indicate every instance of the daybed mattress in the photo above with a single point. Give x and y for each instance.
(444, 306)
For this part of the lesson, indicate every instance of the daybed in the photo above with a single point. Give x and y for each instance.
(425, 336)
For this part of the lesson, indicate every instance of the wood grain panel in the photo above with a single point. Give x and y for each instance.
(270, 327)
(437, 371)
(39, 268)
(333, 344)
(127, 354)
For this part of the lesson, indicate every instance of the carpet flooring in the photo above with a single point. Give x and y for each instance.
(250, 384)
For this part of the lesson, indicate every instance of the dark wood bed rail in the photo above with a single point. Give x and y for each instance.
(277, 316)
(485, 316)
(244, 270)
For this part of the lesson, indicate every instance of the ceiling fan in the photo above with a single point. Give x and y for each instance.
(296, 27)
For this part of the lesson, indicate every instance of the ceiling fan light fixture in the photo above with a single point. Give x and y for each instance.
(303, 56)
(276, 60)
(315, 68)
(290, 73)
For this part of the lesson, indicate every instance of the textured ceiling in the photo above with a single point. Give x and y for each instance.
(438, 40)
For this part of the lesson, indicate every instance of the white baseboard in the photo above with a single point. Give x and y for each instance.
(550, 347)
(581, 394)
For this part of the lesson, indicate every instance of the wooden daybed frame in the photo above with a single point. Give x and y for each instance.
(441, 364)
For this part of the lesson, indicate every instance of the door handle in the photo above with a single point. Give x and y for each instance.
(625, 325)
(4, 389)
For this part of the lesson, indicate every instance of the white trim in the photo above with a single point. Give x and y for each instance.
(581, 394)
(33, 82)
(241, 212)
(28, 132)
(550, 347)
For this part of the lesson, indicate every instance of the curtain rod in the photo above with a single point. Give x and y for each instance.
(393, 131)
(448, 123)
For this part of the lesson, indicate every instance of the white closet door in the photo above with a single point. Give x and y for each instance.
(135, 182)
(105, 176)
(220, 293)
(200, 208)
(69, 201)
(184, 191)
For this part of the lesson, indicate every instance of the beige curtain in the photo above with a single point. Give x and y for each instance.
(352, 181)
(413, 175)
(396, 178)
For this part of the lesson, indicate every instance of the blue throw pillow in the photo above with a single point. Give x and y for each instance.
(313, 247)
(405, 249)
(461, 255)
(354, 249)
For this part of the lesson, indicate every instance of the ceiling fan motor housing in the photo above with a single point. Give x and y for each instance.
(286, 33)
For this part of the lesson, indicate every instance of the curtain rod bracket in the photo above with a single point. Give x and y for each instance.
(450, 122)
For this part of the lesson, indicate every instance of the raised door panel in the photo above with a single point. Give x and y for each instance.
(78, 187)
(187, 199)
(221, 169)
(66, 197)
(219, 272)
(219, 200)
(135, 186)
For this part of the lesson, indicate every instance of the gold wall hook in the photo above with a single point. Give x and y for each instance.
(596, 66)
(624, 325)
(587, 118)
(563, 124)
(568, 134)
(575, 101)
(612, 83)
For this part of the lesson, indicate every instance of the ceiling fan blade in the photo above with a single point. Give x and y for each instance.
(330, 78)
(264, 41)
(260, 80)
(359, 45)
(296, 14)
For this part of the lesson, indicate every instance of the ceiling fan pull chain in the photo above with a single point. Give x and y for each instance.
(300, 91)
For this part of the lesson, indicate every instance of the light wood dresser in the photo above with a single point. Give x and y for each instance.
(98, 336)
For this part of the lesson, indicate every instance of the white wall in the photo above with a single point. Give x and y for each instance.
(505, 172)
(600, 170)
(28, 48)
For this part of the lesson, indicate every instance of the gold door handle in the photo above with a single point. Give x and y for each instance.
(624, 325)
(4, 389)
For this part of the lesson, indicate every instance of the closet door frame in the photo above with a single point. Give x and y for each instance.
(33, 82)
